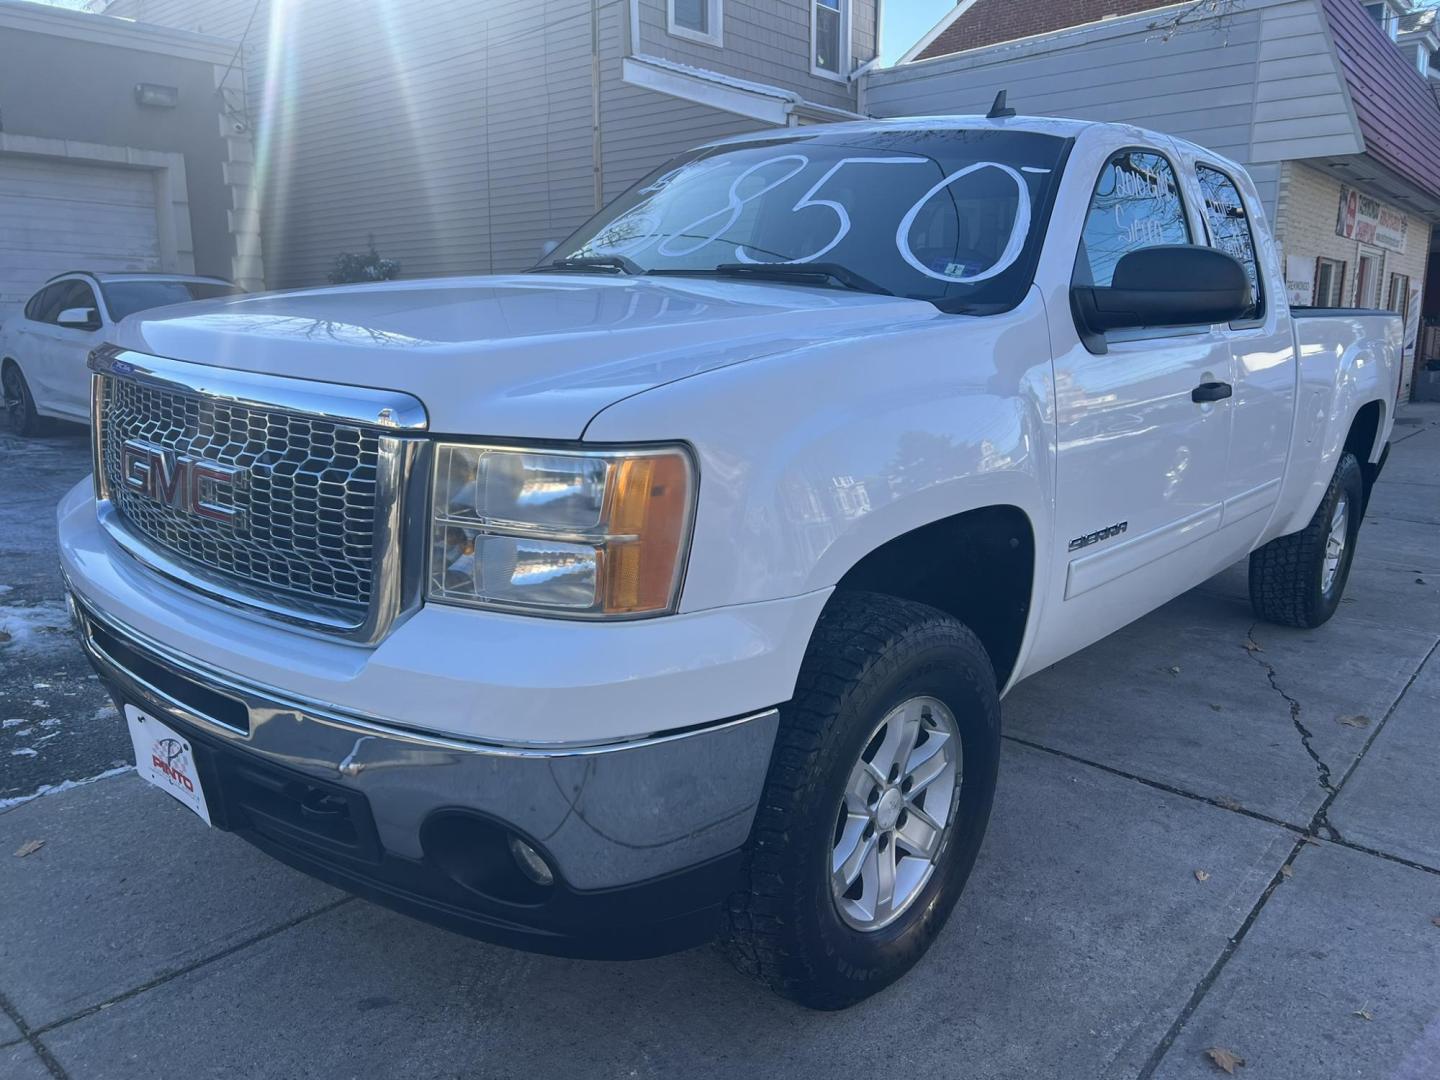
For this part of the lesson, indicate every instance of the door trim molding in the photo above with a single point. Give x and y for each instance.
(1102, 567)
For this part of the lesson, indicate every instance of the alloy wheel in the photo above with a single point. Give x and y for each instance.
(896, 814)
(1335, 542)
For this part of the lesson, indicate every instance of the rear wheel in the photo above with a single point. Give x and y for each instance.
(877, 800)
(1298, 580)
(18, 416)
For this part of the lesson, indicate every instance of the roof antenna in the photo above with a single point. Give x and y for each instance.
(998, 111)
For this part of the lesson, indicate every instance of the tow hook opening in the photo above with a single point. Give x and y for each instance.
(484, 857)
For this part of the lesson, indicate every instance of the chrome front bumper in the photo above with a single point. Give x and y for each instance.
(605, 817)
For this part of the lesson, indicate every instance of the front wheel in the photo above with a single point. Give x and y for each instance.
(875, 806)
(18, 416)
(1298, 580)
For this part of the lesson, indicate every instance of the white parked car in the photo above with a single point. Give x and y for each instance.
(43, 347)
(671, 590)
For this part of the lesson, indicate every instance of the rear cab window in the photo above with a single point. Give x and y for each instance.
(1228, 223)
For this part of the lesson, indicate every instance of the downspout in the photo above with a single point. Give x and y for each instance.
(859, 77)
(597, 142)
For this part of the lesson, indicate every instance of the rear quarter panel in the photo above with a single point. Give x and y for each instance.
(1347, 360)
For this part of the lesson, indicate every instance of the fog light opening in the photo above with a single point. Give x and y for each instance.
(532, 864)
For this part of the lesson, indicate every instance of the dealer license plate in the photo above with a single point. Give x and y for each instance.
(164, 758)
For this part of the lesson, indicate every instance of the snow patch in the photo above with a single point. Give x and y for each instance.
(34, 627)
(64, 785)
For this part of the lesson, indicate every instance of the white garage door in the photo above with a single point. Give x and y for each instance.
(61, 215)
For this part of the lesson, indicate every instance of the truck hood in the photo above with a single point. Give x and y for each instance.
(528, 356)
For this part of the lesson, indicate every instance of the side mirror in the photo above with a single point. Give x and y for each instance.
(1171, 285)
(79, 318)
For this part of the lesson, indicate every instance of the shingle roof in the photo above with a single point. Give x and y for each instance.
(989, 22)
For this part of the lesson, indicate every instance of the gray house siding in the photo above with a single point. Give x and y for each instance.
(640, 128)
(765, 41)
(1258, 88)
(466, 139)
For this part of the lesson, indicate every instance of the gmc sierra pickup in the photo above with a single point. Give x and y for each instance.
(669, 590)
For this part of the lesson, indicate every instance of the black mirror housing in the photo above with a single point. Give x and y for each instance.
(1170, 285)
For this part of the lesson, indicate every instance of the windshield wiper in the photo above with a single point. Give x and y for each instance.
(592, 262)
(813, 271)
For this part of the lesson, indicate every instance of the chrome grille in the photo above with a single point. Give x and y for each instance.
(307, 522)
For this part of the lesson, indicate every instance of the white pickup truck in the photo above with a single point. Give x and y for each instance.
(670, 590)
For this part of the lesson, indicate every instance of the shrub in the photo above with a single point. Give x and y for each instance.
(350, 267)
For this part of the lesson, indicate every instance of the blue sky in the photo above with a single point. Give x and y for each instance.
(906, 21)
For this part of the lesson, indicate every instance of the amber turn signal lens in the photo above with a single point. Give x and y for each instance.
(647, 522)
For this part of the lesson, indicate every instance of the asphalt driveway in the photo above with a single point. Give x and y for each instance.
(1210, 835)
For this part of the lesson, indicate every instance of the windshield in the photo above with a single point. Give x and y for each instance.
(942, 215)
(127, 297)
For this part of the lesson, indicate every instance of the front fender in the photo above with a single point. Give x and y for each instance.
(813, 458)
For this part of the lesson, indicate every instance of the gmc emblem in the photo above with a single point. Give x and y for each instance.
(181, 481)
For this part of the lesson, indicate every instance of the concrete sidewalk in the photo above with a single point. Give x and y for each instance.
(1209, 833)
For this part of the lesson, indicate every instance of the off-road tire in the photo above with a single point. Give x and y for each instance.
(868, 653)
(21, 418)
(1287, 574)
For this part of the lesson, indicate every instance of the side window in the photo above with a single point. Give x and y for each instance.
(1229, 227)
(35, 309)
(57, 299)
(82, 296)
(67, 295)
(1136, 205)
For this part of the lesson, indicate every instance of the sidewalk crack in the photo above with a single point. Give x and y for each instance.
(1322, 769)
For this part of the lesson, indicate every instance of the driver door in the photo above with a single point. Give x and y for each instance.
(1140, 470)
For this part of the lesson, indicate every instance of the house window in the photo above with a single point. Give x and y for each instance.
(830, 32)
(1329, 282)
(1399, 298)
(697, 20)
(1367, 280)
(1386, 17)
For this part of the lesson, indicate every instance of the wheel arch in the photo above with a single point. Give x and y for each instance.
(977, 565)
(1363, 440)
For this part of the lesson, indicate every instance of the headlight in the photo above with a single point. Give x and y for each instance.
(560, 532)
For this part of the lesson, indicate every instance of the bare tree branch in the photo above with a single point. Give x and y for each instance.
(1215, 12)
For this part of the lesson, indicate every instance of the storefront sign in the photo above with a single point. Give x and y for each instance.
(1370, 221)
(1300, 280)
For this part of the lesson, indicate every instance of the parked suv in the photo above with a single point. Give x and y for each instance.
(670, 590)
(43, 348)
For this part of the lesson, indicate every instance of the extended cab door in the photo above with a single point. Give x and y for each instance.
(1140, 464)
(1262, 407)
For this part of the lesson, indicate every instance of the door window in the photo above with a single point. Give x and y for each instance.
(69, 294)
(1136, 205)
(39, 303)
(1229, 226)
